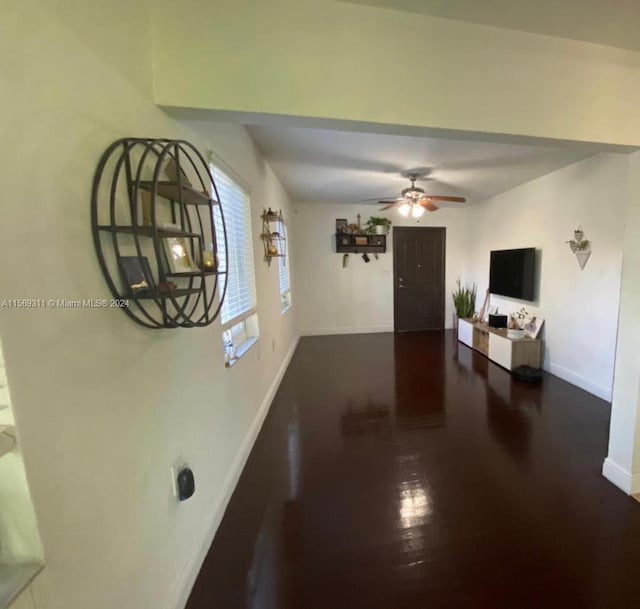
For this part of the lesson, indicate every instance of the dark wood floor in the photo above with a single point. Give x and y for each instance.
(408, 472)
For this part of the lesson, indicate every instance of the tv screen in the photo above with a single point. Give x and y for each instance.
(512, 273)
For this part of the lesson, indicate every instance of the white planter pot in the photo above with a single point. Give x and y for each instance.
(380, 229)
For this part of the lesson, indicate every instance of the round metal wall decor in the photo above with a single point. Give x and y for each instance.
(159, 232)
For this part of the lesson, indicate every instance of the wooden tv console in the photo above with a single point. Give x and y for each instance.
(497, 346)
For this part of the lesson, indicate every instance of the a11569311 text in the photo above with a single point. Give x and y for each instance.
(63, 303)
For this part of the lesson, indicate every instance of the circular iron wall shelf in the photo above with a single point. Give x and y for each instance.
(156, 220)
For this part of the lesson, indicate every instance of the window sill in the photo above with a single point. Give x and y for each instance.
(241, 350)
(283, 311)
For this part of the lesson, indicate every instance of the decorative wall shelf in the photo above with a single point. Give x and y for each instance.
(360, 244)
(154, 215)
(273, 235)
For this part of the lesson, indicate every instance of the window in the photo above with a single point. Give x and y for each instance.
(239, 331)
(283, 268)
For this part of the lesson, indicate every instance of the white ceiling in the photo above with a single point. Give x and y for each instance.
(325, 166)
(610, 22)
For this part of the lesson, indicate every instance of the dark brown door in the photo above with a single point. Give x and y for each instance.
(418, 274)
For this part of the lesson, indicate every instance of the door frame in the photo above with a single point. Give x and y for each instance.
(443, 231)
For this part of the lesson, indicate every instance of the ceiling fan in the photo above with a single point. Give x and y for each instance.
(414, 200)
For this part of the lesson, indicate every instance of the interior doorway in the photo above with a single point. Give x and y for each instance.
(418, 278)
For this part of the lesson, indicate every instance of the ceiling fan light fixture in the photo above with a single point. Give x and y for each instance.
(404, 209)
(417, 211)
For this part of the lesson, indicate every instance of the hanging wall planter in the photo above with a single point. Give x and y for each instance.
(580, 246)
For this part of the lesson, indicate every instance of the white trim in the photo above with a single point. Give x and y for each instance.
(601, 391)
(185, 581)
(621, 477)
(214, 160)
(238, 318)
(242, 350)
(360, 330)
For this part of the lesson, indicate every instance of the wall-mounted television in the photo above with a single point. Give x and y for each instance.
(512, 273)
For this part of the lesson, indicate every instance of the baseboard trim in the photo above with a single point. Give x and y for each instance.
(601, 391)
(183, 585)
(332, 331)
(621, 477)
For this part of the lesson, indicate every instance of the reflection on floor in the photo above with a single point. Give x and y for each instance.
(406, 471)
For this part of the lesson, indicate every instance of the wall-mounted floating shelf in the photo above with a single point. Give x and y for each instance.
(360, 244)
(155, 219)
(273, 235)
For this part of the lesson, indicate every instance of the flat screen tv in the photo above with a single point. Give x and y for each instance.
(512, 273)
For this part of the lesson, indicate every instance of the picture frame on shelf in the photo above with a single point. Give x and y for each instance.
(361, 240)
(532, 326)
(178, 255)
(341, 226)
(136, 274)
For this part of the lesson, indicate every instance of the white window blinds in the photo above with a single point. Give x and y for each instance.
(240, 299)
(283, 264)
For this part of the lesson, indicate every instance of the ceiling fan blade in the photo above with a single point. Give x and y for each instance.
(427, 204)
(445, 198)
(378, 199)
(389, 206)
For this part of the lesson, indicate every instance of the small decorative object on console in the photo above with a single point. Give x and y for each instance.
(517, 319)
(532, 326)
(497, 321)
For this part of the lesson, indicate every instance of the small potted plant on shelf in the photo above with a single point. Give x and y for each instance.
(377, 226)
(464, 301)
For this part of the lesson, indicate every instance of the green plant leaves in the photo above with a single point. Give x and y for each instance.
(464, 300)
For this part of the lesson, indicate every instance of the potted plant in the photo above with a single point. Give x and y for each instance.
(514, 329)
(464, 302)
(579, 243)
(377, 226)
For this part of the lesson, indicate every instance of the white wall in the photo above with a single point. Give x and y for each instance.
(103, 406)
(359, 298)
(429, 72)
(622, 466)
(580, 307)
(19, 539)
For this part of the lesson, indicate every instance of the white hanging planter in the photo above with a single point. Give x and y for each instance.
(580, 246)
(582, 258)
